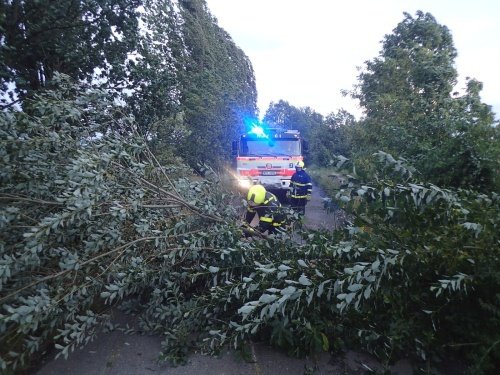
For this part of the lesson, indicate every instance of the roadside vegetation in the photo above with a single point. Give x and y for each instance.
(111, 197)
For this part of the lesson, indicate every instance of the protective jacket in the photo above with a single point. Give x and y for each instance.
(300, 185)
(270, 214)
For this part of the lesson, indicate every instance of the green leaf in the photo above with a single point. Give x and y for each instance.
(354, 287)
(304, 280)
(213, 269)
(349, 297)
(288, 290)
(245, 310)
(267, 298)
(326, 343)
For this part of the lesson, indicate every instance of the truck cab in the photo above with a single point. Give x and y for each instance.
(267, 157)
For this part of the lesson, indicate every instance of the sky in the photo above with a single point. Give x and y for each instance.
(306, 51)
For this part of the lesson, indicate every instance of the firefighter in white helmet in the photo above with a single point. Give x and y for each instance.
(300, 189)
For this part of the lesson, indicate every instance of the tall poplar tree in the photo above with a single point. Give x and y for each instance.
(155, 77)
(192, 86)
(218, 86)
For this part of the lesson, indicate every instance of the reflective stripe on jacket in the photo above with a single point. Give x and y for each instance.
(269, 212)
(300, 185)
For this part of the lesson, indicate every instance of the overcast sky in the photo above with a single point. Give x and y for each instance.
(307, 51)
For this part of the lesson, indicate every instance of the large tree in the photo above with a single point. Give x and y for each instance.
(182, 76)
(218, 86)
(74, 37)
(403, 89)
(154, 80)
(192, 86)
(412, 111)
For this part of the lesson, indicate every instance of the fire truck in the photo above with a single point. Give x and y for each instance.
(267, 157)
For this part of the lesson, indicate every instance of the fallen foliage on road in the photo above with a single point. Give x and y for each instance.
(90, 222)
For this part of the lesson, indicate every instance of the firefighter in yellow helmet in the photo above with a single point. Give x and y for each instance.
(267, 206)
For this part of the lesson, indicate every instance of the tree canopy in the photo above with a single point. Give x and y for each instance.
(412, 112)
(284, 115)
(182, 77)
(83, 39)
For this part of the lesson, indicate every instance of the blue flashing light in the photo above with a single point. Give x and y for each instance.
(256, 128)
(258, 131)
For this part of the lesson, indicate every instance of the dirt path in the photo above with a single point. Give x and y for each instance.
(317, 217)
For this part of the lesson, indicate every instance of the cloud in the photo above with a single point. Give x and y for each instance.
(307, 52)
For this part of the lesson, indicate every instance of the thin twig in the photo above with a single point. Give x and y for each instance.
(33, 200)
(160, 205)
(181, 201)
(161, 169)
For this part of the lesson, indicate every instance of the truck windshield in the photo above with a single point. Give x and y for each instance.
(270, 147)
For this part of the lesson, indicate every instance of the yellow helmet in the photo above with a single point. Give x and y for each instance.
(300, 164)
(256, 194)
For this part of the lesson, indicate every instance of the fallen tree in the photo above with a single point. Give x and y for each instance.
(90, 220)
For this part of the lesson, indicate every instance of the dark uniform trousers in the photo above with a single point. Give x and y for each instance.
(300, 191)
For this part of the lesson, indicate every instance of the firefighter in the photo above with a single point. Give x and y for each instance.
(267, 206)
(300, 189)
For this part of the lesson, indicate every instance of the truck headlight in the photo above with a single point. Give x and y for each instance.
(244, 183)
